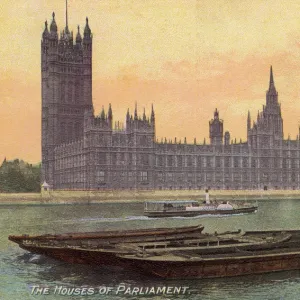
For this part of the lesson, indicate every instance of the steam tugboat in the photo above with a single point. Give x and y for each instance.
(189, 208)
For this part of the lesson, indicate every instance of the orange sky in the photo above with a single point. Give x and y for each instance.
(187, 57)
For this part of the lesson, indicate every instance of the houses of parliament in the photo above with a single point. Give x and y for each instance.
(84, 151)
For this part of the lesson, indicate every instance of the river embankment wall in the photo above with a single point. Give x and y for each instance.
(81, 197)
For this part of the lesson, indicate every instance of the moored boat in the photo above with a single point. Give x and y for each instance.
(188, 265)
(196, 263)
(115, 235)
(73, 247)
(148, 255)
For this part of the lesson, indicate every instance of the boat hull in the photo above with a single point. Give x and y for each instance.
(223, 267)
(77, 256)
(78, 247)
(194, 213)
(227, 254)
(111, 236)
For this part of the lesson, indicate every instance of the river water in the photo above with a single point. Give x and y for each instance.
(22, 273)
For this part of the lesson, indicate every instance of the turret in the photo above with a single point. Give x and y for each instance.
(227, 138)
(78, 37)
(272, 111)
(53, 28)
(87, 36)
(46, 32)
(216, 130)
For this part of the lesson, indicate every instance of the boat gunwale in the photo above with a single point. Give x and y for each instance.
(110, 234)
(185, 260)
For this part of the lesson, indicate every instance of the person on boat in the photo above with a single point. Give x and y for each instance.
(207, 201)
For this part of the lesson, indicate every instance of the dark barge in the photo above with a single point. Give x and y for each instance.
(195, 263)
(75, 247)
(184, 255)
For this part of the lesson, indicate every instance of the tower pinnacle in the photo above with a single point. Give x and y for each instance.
(67, 29)
(271, 78)
(152, 114)
(135, 112)
(249, 121)
(271, 83)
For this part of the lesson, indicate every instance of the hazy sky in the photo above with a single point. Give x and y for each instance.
(187, 57)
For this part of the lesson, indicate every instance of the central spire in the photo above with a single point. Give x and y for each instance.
(272, 88)
(67, 29)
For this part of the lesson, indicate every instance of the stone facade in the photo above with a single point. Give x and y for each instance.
(66, 89)
(83, 151)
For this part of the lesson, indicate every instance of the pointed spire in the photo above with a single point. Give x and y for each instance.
(152, 114)
(46, 31)
(102, 113)
(144, 115)
(53, 26)
(249, 121)
(216, 114)
(87, 30)
(271, 78)
(135, 112)
(78, 36)
(110, 112)
(271, 83)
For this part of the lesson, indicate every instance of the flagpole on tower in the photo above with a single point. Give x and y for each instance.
(67, 29)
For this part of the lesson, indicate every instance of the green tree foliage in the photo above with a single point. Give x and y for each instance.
(18, 176)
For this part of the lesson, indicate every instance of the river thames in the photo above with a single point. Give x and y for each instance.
(23, 273)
